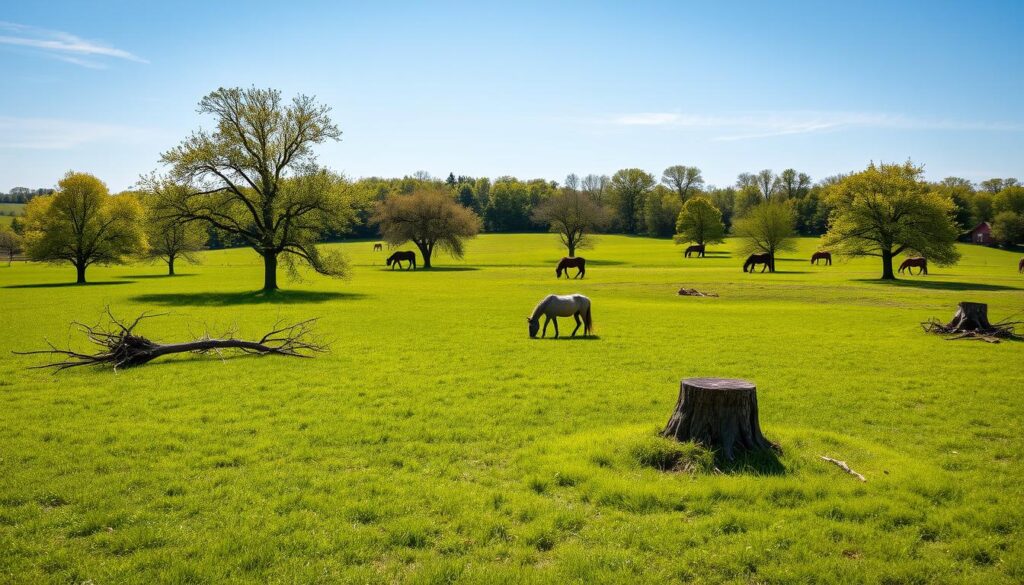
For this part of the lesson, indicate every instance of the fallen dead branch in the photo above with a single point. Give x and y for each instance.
(692, 292)
(971, 322)
(123, 348)
(842, 465)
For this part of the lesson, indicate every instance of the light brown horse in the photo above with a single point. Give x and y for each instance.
(916, 262)
(826, 256)
(580, 264)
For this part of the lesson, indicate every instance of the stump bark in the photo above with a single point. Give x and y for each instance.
(970, 317)
(719, 413)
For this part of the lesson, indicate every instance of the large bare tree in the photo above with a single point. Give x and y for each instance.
(255, 177)
(573, 215)
(685, 180)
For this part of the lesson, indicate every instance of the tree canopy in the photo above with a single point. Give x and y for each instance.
(886, 210)
(574, 216)
(767, 228)
(683, 179)
(84, 225)
(629, 189)
(255, 177)
(170, 239)
(700, 222)
(428, 217)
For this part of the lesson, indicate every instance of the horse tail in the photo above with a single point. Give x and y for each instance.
(588, 322)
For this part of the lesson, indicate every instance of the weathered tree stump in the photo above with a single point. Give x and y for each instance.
(970, 317)
(719, 413)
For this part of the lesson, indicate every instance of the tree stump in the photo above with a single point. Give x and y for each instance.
(719, 413)
(970, 317)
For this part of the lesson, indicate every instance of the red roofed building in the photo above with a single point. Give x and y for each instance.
(981, 234)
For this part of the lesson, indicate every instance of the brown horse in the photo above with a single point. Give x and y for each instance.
(755, 259)
(378, 247)
(698, 248)
(915, 262)
(580, 264)
(826, 256)
(397, 257)
(1020, 266)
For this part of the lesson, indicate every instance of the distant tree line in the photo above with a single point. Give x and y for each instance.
(22, 195)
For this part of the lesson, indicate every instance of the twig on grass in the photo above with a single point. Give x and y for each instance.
(842, 465)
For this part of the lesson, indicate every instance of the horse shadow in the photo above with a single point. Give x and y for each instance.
(158, 276)
(571, 338)
(433, 269)
(217, 299)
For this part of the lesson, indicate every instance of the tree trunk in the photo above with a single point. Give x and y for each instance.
(572, 250)
(771, 262)
(719, 413)
(970, 317)
(425, 251)
(270, 271)
(887, 273)
(170, 266)
(80, 268)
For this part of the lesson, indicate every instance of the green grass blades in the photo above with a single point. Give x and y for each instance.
(436, 442)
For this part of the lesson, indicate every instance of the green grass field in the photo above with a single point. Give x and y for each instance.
(437, 443)
(9, 210)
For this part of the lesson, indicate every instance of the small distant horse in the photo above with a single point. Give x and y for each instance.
(378, 247)
(554, 306)
(826, 256)
(916, 262)
(398, 257)
(1020, 266)
(580, 264)
(698, 248)
(755, 259)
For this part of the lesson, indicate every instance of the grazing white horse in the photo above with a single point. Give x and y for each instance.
(554, 306)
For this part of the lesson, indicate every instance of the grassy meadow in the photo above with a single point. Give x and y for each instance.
(436, 442)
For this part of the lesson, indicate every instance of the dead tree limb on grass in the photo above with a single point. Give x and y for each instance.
(123, 348)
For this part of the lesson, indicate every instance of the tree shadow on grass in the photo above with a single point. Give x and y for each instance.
(68, 284)
(938, 284)
(603, 262)
(158, 276)
(762, 462)
(434, 269)
(214, 299)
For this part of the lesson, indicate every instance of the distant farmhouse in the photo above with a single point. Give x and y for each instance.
(980, 234)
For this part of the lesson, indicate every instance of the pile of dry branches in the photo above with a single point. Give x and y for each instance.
(971, 322)
(123, 348)
(692, 292)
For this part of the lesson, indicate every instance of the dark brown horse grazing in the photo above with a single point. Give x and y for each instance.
(580, 264)
(397, 257)
(826, 256)
(378, 247)
(915, 262)
(1020, 267)
(755, 259)
(698, 248)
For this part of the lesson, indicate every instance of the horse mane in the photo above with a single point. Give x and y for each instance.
(540, 306)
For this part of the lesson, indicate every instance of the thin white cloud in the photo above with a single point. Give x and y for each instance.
(58, 134)
(767, 124)
(61, 45)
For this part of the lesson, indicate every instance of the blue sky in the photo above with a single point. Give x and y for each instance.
(533, 90)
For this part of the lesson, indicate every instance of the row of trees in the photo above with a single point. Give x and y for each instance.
(254, 181)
